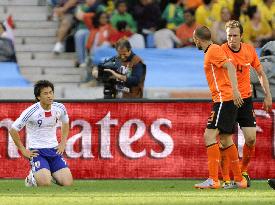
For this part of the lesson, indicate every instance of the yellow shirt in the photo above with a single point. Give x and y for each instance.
(226, 3)
(250, 34)
(255, 2)
(267, 13)
(243, 19)
(206, 17)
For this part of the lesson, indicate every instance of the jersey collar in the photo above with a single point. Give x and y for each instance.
(207, 48)
(233, 50)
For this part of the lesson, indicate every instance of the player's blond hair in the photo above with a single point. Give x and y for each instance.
(234, 24)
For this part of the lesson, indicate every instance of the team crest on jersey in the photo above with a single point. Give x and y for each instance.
(37, 164)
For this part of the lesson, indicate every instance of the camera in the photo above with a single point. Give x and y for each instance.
(112, 87)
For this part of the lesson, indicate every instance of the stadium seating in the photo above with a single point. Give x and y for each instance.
(10, 76)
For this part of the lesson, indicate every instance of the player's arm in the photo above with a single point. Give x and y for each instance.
(65, 127)
(265, 85)
(25, 152)
(237, 98)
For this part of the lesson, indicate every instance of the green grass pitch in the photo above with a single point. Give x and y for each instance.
(135, 192)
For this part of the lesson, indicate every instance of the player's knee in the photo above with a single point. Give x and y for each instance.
(67, 182)
(226, 142)
(209, 139)
(43, 182)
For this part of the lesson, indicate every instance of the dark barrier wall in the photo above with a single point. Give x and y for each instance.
(143, 139)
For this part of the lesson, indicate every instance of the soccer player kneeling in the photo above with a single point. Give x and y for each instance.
(44, 151)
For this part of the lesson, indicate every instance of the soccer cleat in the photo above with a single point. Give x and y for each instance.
(225, 183)
(242, 184)
(208, 184)
(271, 183)
(30, 180)
(246, 176)
(235, 185)
(231, 185)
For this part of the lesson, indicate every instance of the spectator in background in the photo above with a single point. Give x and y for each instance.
(122, 32)
(267, 9)
(240, 11)
(100, 33)
(82, 33)
(207, 13)
(7, 52)
(147, 14)
(50, 5)
(64, 11)
(121, 14)
(136, 40)
(3, 32)
(218, 28)
(8, 26)
(257, 31)
(173, 14)
(185, 31)
(164, 37)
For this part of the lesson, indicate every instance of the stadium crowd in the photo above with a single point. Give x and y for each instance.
(155, 23)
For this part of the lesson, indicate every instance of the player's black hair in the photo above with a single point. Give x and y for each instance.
(39, 85)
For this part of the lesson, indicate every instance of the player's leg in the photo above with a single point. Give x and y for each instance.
(231, 154)
(213, 157)
(43, 177)
(249, 146)
(226, 125)
(247, 121)
(60, 171)
(225, 142)
(63, 177)
(41, 170)
(213, 152)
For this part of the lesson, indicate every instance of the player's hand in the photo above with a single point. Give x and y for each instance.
(61, 148)
(237, 98)
(29, 153)
(267, 103)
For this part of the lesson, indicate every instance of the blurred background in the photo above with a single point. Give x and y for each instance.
(60, 40)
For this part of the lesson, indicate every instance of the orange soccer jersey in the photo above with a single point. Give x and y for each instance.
(217, 76)
(242, 60)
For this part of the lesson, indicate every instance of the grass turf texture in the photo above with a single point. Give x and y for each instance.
(132, 192)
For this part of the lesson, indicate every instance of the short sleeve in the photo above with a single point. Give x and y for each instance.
(64, 115)
(217, 56)
(255, 62)
(23, 119)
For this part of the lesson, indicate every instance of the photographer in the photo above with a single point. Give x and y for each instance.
(123, 75)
